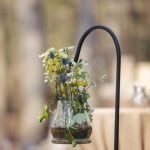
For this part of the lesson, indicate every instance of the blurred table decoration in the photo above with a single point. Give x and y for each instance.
(140, 98)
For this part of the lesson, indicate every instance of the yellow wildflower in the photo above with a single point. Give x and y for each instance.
(52, 69)
(82, 83)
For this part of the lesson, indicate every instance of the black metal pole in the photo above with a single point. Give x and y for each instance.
(118, 68)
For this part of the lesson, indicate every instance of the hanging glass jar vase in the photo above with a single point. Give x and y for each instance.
(68, 127)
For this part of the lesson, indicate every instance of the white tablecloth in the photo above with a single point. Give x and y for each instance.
(134, 131)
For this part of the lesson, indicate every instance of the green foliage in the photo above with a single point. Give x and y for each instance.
(71, 79)
(44, 114)
(79, 118)
(70, 138)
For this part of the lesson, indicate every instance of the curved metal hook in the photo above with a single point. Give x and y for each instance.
(118, 68)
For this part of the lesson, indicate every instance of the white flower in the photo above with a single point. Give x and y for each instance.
(65, 56)
(71, 48)
(73, 80)
(81, 88)
(69, 74)
(46, 80)
(41, 55)
(52, 49)
(73, 63)
(61, 50)
(81, 71)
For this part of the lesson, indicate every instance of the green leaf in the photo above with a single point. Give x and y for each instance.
(40, 119)
(78, 118)
(43, 117)
(72, 129)
(46, 108)
(44, 114)
(70, 138)
(74, 143)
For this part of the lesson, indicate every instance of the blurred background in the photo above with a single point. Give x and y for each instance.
(29, 27)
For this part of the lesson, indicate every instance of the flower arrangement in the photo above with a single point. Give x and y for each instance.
(71, 81)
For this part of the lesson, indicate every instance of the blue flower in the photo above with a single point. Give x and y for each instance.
(64, 61)
(51, 55)
(62, 78)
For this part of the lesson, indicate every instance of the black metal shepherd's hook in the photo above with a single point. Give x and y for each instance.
(118, 68)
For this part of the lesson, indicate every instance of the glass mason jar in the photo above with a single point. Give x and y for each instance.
(64, 123)
(140, 98)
